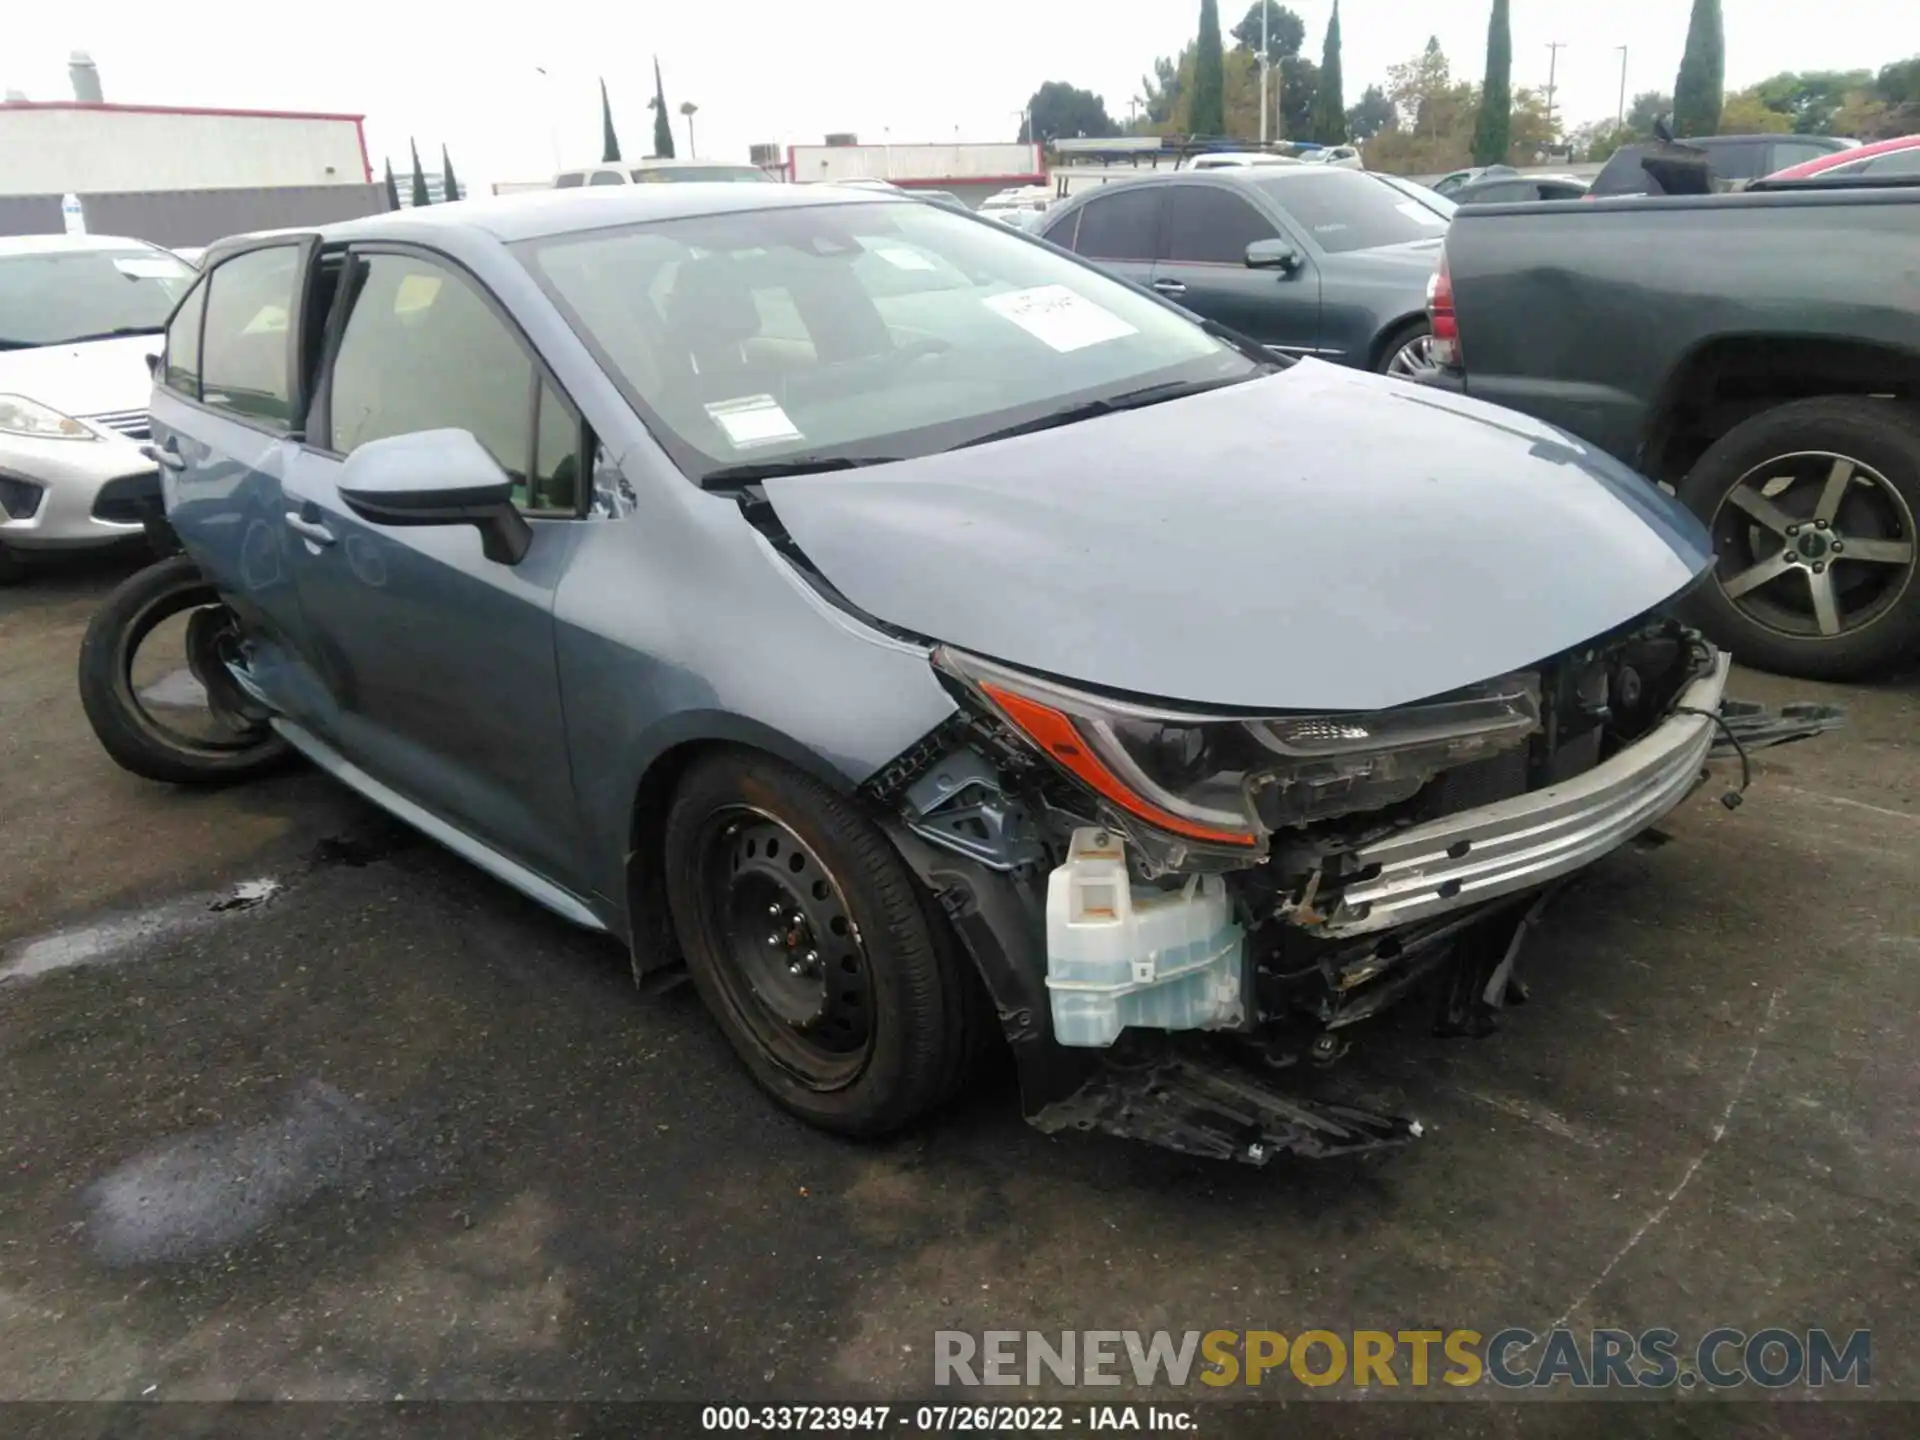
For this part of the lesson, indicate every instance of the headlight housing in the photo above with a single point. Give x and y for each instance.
(21, 416)
(1231, 780)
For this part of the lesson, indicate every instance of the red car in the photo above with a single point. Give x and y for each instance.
(1883, 158)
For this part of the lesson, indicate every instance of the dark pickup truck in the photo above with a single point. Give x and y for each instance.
(1757, 353)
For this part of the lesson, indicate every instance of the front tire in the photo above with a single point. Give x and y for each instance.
(809, 940)
(127, 731)
(1812, 507)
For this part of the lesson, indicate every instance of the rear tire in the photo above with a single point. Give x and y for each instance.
(128, 734)
(1408, 352)
(1766, 491)
(12, 571)
(888, 1034)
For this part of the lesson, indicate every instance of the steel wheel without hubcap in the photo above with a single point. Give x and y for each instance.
(1413, 359)
(794, 967)
(1814, 545)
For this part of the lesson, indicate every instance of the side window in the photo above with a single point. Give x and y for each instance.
(182, 369)
(1894, 162)
(243, 352)
(1743, 160)
(422, 351)
(607, 177)
(569, 181)
(1120, 226)
(1206, 226)
(1062, 231)
(1792, 152)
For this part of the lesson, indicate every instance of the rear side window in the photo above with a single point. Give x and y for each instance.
(1793, 152)
(569, 181)
(1747, 159)
(1208, 226)
(607, 177)
(243, 354)
(1894, 162)
(1622, 174)
(1121, 226)
(182, 369)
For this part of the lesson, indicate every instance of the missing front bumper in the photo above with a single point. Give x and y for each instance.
(1518, 844)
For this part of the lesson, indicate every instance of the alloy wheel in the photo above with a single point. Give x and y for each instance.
(1413, 359)
(1814, 544)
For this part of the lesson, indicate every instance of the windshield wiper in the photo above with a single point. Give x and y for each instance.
(728, 476)
(1106, 405)
(1248, 346)
(114, 334)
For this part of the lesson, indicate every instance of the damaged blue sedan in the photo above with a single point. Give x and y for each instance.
(917, 634)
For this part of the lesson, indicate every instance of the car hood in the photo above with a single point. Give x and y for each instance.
(98, 377)
(1319, 539)
(1414, 260)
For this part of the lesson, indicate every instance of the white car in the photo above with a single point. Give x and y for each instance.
(1341, 157)
(81, 316)
(1237, 159)
(653, 172)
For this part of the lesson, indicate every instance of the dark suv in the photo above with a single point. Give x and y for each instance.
(1729, 157)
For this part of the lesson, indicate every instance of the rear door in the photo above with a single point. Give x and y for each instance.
(1118, 229)
(227, 408)
(440, 661)
(1205, 231)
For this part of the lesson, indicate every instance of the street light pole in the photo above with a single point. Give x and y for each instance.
(687, 108)
(1554, 47)
(1620, 117)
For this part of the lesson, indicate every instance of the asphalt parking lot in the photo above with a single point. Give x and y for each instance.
(298, 1105)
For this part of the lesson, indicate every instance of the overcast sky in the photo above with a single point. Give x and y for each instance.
(789, 72)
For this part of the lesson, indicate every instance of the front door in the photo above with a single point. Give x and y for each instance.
(1203, 266)
(441, 661)
(1119, 230)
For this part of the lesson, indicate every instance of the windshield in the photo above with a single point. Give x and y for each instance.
(62, 295)
(1440, 204)
(876, 330)
(657, 174)
(1349, 209)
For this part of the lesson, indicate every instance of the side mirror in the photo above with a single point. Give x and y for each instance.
(153, 365)
(1274, 255)
(437, 477)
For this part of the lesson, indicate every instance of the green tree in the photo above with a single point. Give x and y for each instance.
(1493, 129)
(1286, 31)
(1299, 91)
(1208, 113)
(421, 198)
(1160, 92)
(1699, 89)
(1059, 111)
(1811, 99)
(662, 121)
(1649, 107)
(1329, 106)
(609, 142)
(1746, 112)
(393, 190)
(449, 187)
(1372, 114)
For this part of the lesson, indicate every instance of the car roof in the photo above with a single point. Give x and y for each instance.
(53, 244)
(535, 213)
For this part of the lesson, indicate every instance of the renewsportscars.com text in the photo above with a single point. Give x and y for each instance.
(1511, 1358)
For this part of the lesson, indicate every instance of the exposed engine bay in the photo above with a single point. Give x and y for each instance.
(1274, 880)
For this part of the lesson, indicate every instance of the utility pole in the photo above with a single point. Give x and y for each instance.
(1554, 47)
(1266, 8)
(1620, 117)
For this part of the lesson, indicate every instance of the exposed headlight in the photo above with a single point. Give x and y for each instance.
(21, 416)
(1232, 779)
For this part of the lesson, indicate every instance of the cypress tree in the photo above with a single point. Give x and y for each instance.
(393, 190)
(1698, 90)
(421, 198)
(609, 142)
(662, 122)
(1493, 129)
(1329, 105)
(1209, 113)
(449, 188)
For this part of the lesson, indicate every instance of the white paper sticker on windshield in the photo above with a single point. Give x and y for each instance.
(1058, 317)
(151, 267)
(903, 258)
(1414, 210)
(753, 420)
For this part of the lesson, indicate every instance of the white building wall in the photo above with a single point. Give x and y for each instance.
(57, 149)
(814, 164)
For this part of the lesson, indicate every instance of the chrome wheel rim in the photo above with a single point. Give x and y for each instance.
(1814, 545)
(1413, 359)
